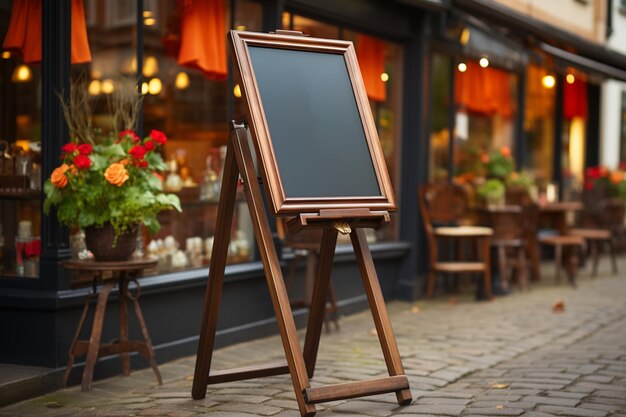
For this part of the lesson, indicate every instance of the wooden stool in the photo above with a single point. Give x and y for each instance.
(123, 273)
(596, 237)
(574, 244)
(458, 267)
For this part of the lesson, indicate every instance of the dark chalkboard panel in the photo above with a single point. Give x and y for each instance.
(314, 123)
(312, 128)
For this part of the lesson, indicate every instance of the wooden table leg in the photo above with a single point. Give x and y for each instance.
(144, 332)
(71, 355)
(96, 333)
(123, 286)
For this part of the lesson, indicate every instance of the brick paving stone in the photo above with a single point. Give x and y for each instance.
(255, 409)
(571, 411)
(567, 402)
(438, 410)
(536, 414)
(494, 411)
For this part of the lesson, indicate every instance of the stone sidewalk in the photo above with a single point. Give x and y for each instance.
(514, 356)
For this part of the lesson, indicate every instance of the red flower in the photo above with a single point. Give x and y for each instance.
(622, 166)
(82, 162)
(85, 149)
(142, 163)
(149, 145)
(69, 147)
(131, 133)
(593, 173)
(158, 136)
(137, 152)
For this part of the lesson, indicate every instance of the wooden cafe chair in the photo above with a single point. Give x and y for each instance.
(441, 207)
(609, 219)
(509, 241)
(519, 196)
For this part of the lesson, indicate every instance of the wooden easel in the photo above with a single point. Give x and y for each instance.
(300, 364)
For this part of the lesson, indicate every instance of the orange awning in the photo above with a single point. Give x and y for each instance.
(484, 90)
(24, 33)
(203, 38)
(371, 54)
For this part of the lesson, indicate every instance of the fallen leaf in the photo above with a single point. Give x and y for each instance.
(415, 309)
(499, 386)
(189, 378)
(500, 407)
(453, 300)
(558, 306)
(373, 332)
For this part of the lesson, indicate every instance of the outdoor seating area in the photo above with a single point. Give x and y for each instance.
(499, 237)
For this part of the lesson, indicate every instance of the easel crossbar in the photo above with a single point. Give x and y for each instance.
(360, 388)
(248, 372)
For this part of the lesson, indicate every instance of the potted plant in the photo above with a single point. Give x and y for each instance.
(492, 192)
(498, 163)
(108, 184)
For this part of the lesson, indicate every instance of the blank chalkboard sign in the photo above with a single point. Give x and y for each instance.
(311, 124)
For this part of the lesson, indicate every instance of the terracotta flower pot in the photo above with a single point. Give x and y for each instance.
(102, 243)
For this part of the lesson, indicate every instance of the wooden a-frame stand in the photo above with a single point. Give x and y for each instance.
(300, 364)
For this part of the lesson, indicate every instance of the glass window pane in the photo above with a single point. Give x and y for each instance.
(485, 99)
(20, 145)
(440, 116)
(539, 123)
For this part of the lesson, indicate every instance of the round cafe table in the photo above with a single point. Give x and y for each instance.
(110, 274)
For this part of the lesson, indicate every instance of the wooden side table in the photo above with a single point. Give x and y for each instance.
(123, 273)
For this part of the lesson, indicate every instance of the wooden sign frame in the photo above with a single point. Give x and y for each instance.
(283, 204)
(333, 216)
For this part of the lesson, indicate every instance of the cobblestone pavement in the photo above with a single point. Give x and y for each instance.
(514, 356)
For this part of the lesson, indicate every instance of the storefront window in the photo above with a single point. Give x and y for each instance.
(188, 94)
(380, 62)
(539, 122)
(574, 137)
(623, 129)
(485, 99)
(20, 143)
(440, 118)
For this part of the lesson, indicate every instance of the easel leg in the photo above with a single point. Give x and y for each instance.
(379, 310)
(96, 333)
(213, 293)
(123, 300)
(317, 310)
(273, 273)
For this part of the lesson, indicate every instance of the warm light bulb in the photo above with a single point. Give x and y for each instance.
(144, 88)
(570, 78)
(94, 87)
(237, 91)
(548, 81)
(6, 54)
(484, 62)
(240, 27)
(107, 86)
(147, 13)
(182, 80)
(384, 77)
(155, 86)
(462, 67)
(150, 21)
(22, 74)
(150, 67)
(465, 36)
